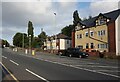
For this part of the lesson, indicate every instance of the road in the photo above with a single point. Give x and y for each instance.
(53, 68)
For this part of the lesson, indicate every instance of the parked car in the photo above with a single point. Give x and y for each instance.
(73, 52)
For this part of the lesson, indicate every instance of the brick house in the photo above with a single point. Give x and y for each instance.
(99, 33)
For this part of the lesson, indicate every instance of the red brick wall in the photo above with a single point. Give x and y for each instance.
(73, 39)
(111, 37)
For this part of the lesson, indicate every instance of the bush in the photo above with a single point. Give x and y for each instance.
(101, 55)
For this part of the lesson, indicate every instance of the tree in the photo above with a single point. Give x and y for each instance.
(42, 37)
(18, 40)
(67, 30)
(76, 18)
(30, 31)
(5, 42)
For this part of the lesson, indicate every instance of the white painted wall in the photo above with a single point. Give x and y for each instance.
(64, 45)
(117, 24)
(67, 45)
(54, 44)
(48, 45)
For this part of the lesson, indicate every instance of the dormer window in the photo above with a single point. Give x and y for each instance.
(101, 20)
(80, 26)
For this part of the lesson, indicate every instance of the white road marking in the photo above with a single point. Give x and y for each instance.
(77, 68)
(109, 70)
(96, 71)
(37, 75)
(97, 66)
(83, 69)
(4, 57)
(10, 73)
(14, 62)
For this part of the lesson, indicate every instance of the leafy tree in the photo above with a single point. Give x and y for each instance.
(76, 18)
(5, 42)
(30, 30)
(37, 42)
(67, 30)
(18, 40)
(42, 37)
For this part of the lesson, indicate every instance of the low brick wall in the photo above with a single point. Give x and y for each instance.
(96, 54)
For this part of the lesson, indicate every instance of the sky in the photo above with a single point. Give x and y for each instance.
(15, 14)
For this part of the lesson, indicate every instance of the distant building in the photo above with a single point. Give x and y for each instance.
(57, 42)
(100, 33)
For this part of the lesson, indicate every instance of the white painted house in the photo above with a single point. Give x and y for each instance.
(117, 24)
(57, 42)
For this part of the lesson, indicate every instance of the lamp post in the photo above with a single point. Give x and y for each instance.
(55, 25)
(23, 41)
(29, 44)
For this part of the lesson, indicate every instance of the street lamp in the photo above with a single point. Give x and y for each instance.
(55, 25)
(29, 44)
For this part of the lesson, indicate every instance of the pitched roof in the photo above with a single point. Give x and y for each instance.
(111, 15)
(62, 36)
(58, 36)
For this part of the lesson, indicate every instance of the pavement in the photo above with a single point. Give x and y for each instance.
(48, 67)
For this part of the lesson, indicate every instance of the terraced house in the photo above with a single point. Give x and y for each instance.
(100, 33)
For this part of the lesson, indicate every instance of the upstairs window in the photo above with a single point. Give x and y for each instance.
(80, 35)
(77, 36)
(86, 34)
(101, 20)
(101, 33)
(91, 33)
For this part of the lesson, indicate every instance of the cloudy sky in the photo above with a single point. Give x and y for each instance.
(15, 14)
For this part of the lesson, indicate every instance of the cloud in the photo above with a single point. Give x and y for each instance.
(103, 6)
(15, 16)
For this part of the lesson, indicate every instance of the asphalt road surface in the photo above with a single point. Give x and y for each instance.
(54, 68)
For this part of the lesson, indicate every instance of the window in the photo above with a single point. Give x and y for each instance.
(91, 33)
(67, 41)
(101, 33)
(101, 20)
(87, 45)
(92, 45)
(98, 46)
(86, 34)
(102, 46)
(77, 36)
(80, 35)
(106, 46)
